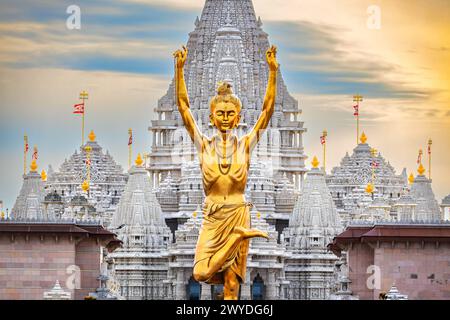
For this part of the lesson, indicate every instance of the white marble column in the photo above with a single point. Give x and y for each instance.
(180, 286)
(246, 293)
(271, 288)
(157, 179)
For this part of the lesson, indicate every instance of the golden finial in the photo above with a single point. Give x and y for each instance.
(421, 170)
(139, 160)
(369, 188)
(84, 95)
(194, 214)
(44, 175)
(92, 136)
(373, 152)
(85, 186)
(411, 178)
(315, 163)
(33, 166)
(258, 215)
(358, 98)
(363, 138)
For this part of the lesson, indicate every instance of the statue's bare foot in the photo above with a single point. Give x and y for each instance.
(250, 233)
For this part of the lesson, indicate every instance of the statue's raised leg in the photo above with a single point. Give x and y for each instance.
(206, 268)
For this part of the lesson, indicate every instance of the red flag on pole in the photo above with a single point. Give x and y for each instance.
(429, 149)
(322, 140)
(356, 110)
(35, 154)
(130, 140)
(78, 108)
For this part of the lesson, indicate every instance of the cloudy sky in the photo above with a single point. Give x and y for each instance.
(328, 50)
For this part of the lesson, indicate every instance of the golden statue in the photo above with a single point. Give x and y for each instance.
(223, 243)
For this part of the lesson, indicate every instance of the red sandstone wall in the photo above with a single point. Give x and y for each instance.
(88, 259)
(360, 257)
(420, 273)
(29, 268)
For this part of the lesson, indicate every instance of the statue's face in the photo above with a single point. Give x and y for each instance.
(225, 116)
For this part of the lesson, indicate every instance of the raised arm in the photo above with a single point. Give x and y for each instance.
(269, 100)
(183, 99)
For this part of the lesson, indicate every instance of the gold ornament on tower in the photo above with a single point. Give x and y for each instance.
(411, 178)
(369, 188)
(33, 166)
(139, 160)
(421, 170)
(223, 243)
(85, 186)
(363, 138)
(315, 162)
(92, 136)
(44, 175)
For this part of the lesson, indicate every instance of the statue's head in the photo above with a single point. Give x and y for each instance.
(225, 108)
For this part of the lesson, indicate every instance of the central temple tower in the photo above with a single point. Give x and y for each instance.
(228, 44)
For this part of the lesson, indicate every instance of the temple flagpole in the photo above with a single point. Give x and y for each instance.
(323, 141)
(430, 142)
(357, 98)
(83, 97)
(130, 144)
(25, 151)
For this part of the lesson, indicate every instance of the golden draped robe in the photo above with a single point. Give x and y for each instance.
(219, 219)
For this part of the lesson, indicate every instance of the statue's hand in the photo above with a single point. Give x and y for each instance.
(180, 56)
(271, 57)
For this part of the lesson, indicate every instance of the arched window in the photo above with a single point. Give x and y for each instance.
(193, 290)
(258, 288)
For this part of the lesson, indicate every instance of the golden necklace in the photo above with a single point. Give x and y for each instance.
(224, 160)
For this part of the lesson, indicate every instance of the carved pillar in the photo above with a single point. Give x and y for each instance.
(180, 286)
(271, 288)
(300, 140)
(245, 287)
(157, 179)
(153, 138)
